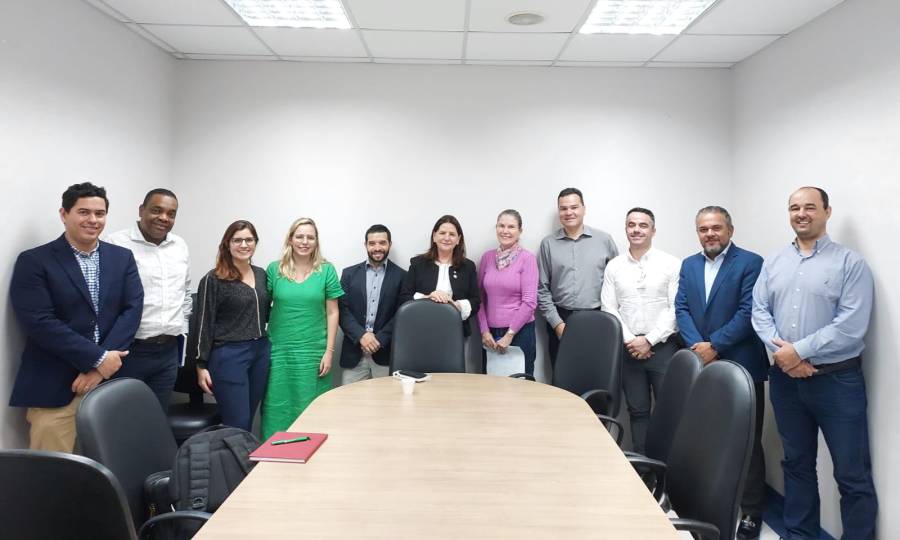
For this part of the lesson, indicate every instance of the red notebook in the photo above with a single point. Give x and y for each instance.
(294, 452)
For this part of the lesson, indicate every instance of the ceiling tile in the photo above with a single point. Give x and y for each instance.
(759, 16)
(416, 61)
(598, 64)
(202, 12)
(496, 46)
(559, 15)
(209, 39)
(615, 47)
(312, 42)
(713, 48)
(408, 14)
(228, 57)
(509, 62)
(399, 44)
(706, 65)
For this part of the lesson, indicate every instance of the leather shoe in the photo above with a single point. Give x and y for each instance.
(749, 528)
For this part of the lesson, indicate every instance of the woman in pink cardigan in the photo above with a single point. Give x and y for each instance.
(508, 280)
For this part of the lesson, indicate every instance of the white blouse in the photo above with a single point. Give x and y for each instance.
(443, 284)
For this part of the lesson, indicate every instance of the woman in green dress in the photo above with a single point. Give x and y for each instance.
(302, 326)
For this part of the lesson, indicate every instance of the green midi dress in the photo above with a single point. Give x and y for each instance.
(298, 332)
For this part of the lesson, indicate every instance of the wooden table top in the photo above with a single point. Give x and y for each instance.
(465, 456)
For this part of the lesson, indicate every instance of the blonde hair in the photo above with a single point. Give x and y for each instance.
(286, 267)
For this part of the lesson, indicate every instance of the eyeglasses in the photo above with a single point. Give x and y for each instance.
(239, 241)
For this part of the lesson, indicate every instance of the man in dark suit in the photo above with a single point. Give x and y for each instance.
(79, 301)
(713, 308)
(371, 299)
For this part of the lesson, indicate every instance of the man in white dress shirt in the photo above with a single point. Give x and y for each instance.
(639, 288)
(164, 266)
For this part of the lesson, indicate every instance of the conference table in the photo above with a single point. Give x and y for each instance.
(465, 456)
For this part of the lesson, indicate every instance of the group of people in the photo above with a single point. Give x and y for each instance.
(95, 310)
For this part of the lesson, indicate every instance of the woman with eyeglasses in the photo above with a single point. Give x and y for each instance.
(508, 280)
(227, 337)
(305, 289)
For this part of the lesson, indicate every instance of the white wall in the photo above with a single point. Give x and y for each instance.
(353, 145)
(81, 99)
(821, 107)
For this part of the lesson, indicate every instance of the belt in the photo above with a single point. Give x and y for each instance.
(157, 340)
(850, 363)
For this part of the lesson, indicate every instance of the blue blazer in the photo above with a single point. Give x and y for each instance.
(51, 300)
(724, 321)
(353, 312)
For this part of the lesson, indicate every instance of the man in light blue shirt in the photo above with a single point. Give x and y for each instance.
(811, 308)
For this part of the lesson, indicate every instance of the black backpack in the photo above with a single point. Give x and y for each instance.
(209, 465)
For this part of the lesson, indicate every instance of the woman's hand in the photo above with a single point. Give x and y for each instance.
(440, 297)
(503, 343)
(325, 363)
(204, 380)
(488, 340)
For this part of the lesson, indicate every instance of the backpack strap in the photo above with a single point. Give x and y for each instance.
(240, 446)
(198, 483)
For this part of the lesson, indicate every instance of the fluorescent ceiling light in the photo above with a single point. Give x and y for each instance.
(643, 16)
(292, 13)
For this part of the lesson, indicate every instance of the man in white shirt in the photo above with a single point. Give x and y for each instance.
(639, 288)
(164, 266)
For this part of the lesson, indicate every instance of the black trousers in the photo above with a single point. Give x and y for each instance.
(754, 497)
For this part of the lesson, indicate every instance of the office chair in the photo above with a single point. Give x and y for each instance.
(194, 416)
(121, 425)
(710, 453)
(589, 360)
(428, 337)
(52, 495)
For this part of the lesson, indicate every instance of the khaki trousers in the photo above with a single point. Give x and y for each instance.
(53, 428)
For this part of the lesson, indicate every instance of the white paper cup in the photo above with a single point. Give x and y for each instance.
(409, 386)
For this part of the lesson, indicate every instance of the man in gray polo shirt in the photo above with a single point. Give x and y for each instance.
(571, 265)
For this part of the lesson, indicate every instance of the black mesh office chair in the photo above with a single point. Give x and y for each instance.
(589, 360)
(51, 495)
(428, 337)
(121, 425)
(710, 452)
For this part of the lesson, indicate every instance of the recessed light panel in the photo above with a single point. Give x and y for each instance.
(292, 13)
(643, 16)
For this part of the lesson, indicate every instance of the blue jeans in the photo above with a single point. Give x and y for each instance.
(240, 372)
(523, 339)
(836, 403)
(154, 364)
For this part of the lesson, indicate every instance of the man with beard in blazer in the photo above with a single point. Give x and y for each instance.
(713, 307)
(372, 290)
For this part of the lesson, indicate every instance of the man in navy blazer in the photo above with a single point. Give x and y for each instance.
(371, 299)
(713, 308)
(79, 301)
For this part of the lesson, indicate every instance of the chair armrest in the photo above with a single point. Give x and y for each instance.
(644, 466)
(146, 530)
(156, 493)
(522, 376)
(630, 454)
(598, 400)
(610, 421)
(698, 529)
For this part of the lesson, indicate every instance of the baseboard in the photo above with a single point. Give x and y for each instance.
(774, 511)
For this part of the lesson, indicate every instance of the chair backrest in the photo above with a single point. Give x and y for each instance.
(121, 425)
(590, 356)
(684, 367)
(61, 496)
(186, 381)
(428, 337)
(710, 453)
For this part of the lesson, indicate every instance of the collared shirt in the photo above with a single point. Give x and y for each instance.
(166, 277)
(820, 302)
(571, 271)
(374, 279)
(89, 262)
(641, 294)
(711, 269)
